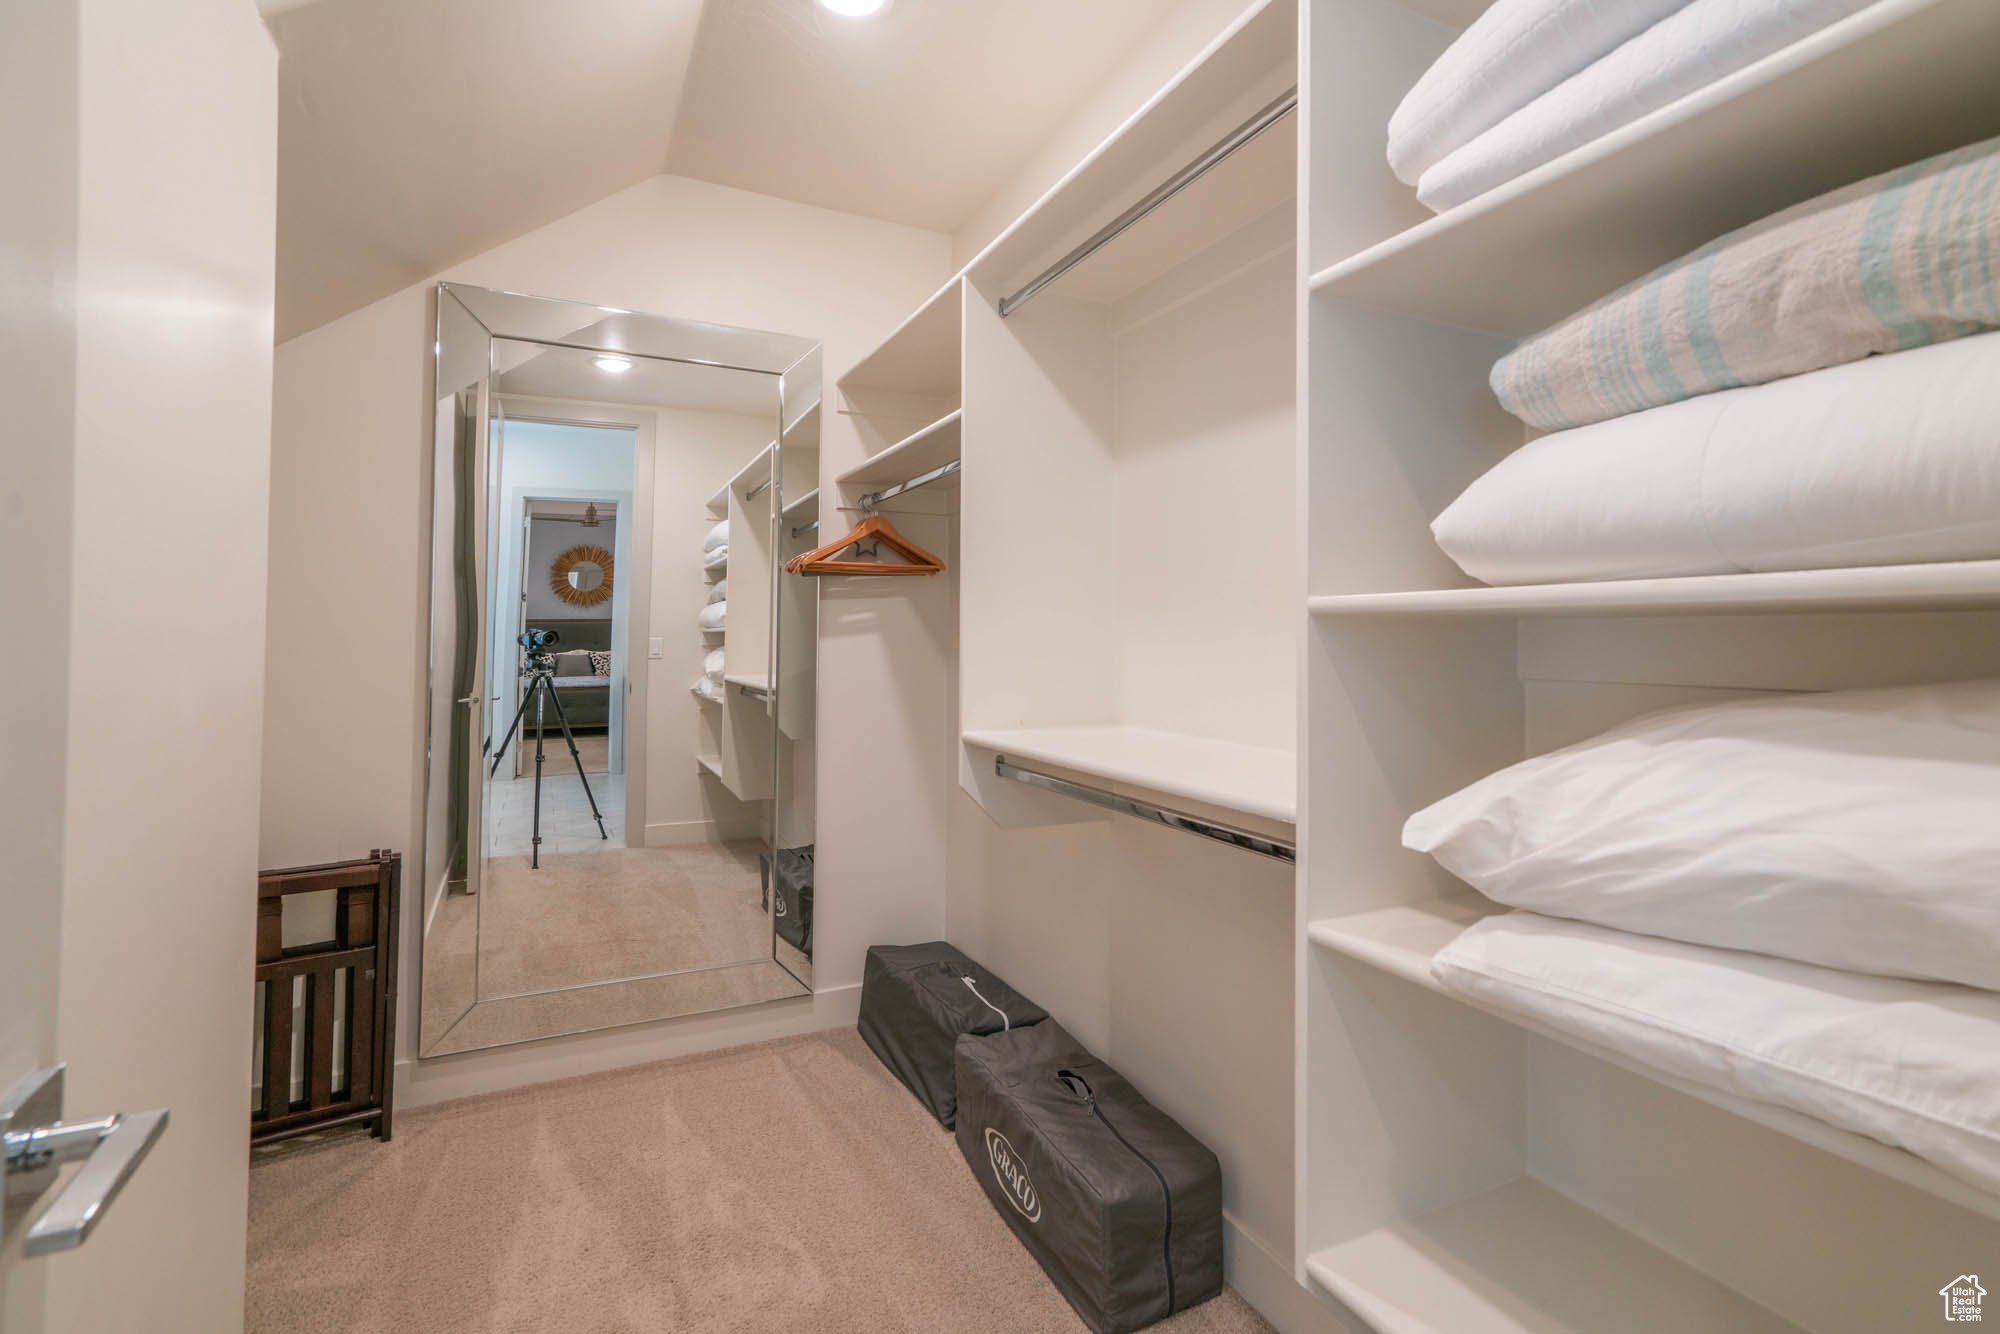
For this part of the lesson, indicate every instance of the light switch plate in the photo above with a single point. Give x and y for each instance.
(656, 647)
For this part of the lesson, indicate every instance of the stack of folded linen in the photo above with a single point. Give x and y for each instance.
(709, 690)
(711, 666)
(1733, 411)
(715, 547)
(719, 591)
(1530, 80)
(1790, 899)
(714, 616)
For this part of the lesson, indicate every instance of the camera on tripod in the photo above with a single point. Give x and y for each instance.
(538, 643)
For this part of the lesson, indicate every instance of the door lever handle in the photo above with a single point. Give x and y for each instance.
(111, 1150)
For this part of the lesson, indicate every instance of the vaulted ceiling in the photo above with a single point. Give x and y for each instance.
(416, 133)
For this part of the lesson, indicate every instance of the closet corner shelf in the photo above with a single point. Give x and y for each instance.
(805, 509)
(1796, 124)
(1402, 941)
(920, 356)
(756, 683)
(1946, 586)
(701, 697)
(712, 763)
(1251, 780)
(757, 470)
(1526, 1259)
(930, 448)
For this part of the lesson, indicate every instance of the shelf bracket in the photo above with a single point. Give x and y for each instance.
(1262, 844)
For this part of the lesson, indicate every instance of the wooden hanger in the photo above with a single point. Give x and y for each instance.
(820, 561)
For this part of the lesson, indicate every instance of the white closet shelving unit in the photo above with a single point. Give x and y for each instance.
(736, 733)
(1128, 613)
(1458, 1172)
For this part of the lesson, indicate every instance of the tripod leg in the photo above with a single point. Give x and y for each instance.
(563, 719)
(535, 856)
(511, 729)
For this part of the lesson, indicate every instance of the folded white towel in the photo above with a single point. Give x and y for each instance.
(713, 615)
(718, 536)
(719, 591)
(1513, 53)
(1682, 53)
(711, 666)
(717, 559)
(709, 690)
(1885, 461)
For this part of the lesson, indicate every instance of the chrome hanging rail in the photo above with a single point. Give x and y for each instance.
(873, 499)
(1286, 103)
(805, 528)
(1261, 844)
(757, 490)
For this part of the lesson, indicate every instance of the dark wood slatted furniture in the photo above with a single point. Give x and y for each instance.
(345, 1072)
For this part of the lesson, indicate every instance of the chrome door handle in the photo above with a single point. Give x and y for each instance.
(111, 1149)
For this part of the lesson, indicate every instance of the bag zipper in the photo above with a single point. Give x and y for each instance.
(1006, 1024)
(1070, 1080)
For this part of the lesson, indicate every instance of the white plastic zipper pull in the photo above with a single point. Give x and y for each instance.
(1006, 1025)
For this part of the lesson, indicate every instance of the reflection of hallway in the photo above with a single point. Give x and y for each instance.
(566, 823)
(627, 912)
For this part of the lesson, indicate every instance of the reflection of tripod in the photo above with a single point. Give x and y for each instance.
(541, 667)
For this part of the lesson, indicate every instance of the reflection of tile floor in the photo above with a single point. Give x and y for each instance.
(566, 822)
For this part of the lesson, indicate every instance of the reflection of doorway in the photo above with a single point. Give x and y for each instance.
(566, 559)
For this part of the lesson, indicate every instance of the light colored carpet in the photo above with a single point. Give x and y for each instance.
(624, 912)
(789, 1186)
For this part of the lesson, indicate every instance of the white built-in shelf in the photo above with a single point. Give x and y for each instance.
(920, 356)
(703, 698)
(918, 453)
(1403, 940)
(1243, 69)
(1950, 585)
(1252, 780)
(1800, 122)
(712, 763)
(757, 681)
(1526, 1259)
(757, 470)
(803, 510)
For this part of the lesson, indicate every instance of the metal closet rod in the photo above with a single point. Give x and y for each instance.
(1263, 845)
(1283, 106)
(758, 490)
(805, 528)
(937, 474)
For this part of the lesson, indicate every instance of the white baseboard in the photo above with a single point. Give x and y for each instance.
(442, 1078)
(1266, 1281)
(673, 833)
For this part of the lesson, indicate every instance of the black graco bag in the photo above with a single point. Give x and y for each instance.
(917, 999)
(790, 898)
(1121, 1207)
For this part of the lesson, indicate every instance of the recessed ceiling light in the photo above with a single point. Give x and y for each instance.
(614, 365)
(854, 9)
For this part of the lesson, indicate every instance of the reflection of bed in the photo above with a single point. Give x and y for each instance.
(585, 699)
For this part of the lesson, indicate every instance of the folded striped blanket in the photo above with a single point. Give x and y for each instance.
(1897, 261)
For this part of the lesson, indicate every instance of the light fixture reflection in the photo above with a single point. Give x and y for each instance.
(854, 9)
(614, 365)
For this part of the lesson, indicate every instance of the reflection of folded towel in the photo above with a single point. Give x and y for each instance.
(713, 615)
(717, 559)
(709, 690)
(711, 666)
(1510, 55)
(1682, 53)
(719, 591)
(1895, 261)
(718, 536)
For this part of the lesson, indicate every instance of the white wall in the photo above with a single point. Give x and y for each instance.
(174, 203)
(350, 502)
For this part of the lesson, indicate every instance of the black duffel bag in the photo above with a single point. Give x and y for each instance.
(1119, 1204)
(788, 887)
(915, 1002)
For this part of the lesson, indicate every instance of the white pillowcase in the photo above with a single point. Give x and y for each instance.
(711, 666)
(1857, 829)
(1882, 461)
(1913, 1064)
(718, 536)
(717, 559)
(1512, 53)
(714, 615)
(719, 591)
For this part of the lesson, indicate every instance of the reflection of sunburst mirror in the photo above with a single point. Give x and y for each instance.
(581, 576)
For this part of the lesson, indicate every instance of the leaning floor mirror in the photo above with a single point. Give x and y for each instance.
(618, 801)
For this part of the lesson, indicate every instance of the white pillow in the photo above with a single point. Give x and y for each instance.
(1857, 829)
(1878, 462)
(1913, 1064)
(719, 591)
(718, 536)
(711, 665)
(717, 559)
(714, 616)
